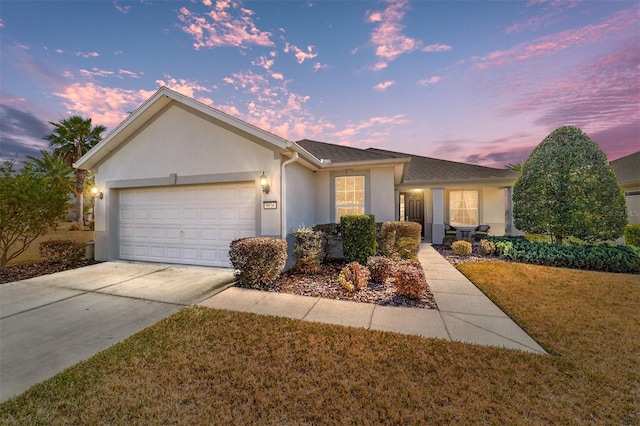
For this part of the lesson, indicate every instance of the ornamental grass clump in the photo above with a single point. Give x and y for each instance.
(461, 248)
(381, 268)
(258, 261)
(354, 276)
(409, 279)
(486, 248)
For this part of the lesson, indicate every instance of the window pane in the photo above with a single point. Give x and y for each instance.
(350, 195)
(463, 208)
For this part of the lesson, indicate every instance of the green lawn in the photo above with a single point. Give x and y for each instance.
(205, 366)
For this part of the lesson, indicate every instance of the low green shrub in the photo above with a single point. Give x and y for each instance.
(486, 248)
(331, 238)
(409, 279)
(257, 261)
(632, 235)
(63, 251)
(381, 268)
(610, 258)
(310, 250)
(400, 240)
(354, 276)
(358, 237)
(462, 248)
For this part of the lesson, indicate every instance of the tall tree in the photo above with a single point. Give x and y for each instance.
(71, 139)
(55, 168)
(567, 188)
(31, 203)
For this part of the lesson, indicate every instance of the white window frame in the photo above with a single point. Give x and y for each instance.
(360, 206)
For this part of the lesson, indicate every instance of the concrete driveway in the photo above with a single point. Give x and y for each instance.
(50, 323)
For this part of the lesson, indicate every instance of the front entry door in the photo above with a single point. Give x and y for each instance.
(414, 207)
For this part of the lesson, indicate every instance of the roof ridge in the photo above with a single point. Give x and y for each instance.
(438, 159)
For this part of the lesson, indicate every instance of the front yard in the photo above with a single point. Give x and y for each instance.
(205, 366)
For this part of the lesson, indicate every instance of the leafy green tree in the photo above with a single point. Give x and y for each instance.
(31, 203)
(567, 188)
(71, 139)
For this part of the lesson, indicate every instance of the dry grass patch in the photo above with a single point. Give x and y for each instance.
(589, 321)
(204, 366)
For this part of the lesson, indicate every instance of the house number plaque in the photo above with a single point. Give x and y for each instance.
(269, 205)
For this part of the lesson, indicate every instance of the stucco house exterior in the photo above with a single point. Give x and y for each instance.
(179, 180)
(627, 170)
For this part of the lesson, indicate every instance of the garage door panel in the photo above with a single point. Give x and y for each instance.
(190, 225)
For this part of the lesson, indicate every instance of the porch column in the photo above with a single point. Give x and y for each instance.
(509, 211)
(437, 228)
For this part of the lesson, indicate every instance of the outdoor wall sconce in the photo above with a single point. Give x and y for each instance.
(95, 193)
(263, 183)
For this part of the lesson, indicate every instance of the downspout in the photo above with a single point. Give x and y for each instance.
(283, 189)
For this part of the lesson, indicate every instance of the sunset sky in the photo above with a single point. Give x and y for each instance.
(474, 81)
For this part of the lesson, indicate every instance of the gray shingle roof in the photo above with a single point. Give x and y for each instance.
(627, 169)
(426, 169)
(340, 153)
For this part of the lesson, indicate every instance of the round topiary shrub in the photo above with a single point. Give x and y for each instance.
(462, 248)
(409, 279)
(258, 261)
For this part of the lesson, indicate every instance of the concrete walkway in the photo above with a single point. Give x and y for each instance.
(465, 314)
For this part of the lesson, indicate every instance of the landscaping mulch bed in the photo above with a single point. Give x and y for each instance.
(31, 270)
(325, 284)
(454, 259)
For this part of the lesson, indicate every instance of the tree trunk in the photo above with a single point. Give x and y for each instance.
(558, 239)
(80, 196)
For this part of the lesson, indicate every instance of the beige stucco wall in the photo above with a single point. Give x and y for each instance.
(196, 150)
(379, 190)
(492, 211)
(633, 209)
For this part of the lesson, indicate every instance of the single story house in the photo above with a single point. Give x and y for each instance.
(627, 170)
(179, 180)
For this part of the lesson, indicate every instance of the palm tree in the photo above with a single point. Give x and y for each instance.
(58, 172)
(71, 139)
(515, 167)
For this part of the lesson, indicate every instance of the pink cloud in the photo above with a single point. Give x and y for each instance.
(105, 105)
(384, 85)
(227, 24)
(547, 45)
(387, 37)
(437, 48)
(181, 85)
(318, 66)
(550, 14)
(368, 132)
(122, 9)
(431, 80)
(300, 54)
(88, 55)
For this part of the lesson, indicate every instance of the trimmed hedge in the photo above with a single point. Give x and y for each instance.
(358, 237)
(607, 258)
(68, 252)
(258, 261)
(632, 235)
(400, 239)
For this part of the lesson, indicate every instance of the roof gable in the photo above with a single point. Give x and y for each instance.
(157, 103)
(627, 169)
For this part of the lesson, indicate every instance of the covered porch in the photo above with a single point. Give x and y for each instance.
(461, 207)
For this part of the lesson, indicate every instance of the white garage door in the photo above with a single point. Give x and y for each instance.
(186, 224)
